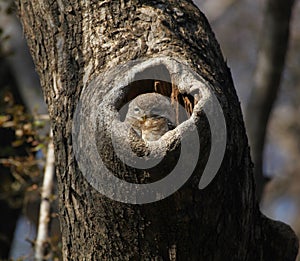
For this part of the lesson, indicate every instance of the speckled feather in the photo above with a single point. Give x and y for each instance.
(151, 115)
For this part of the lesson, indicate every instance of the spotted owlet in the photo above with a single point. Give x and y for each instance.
(151, 115)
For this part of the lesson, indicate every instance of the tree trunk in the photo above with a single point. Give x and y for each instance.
(271, 59)
(78, 49)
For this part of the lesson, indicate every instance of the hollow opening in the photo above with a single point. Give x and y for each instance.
(158, 79)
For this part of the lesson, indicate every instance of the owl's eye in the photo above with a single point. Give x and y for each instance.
(136, 110)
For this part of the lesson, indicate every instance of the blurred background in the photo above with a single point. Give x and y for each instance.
(239, 27)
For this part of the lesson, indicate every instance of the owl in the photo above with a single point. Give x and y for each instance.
(151, 115)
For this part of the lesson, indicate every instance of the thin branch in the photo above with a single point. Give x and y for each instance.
(44, 217)
(271, 59)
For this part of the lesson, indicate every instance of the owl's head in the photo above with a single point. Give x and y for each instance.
(151, 105)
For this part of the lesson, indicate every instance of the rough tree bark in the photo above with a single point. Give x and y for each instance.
(72, 43)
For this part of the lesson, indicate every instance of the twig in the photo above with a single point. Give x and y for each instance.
(44, 217)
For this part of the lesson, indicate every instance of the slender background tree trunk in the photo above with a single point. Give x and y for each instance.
(270, 65)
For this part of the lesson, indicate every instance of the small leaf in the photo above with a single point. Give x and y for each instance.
(27, 127)
(19, 133)
(38, 124)
(17, 143)
(3, 119)
(38, 147)
(8, 124)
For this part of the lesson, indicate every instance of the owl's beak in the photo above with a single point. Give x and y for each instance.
(144, 117)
